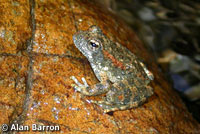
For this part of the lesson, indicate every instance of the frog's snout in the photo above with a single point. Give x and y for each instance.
(74, 37)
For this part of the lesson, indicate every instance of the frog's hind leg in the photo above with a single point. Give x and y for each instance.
(101, 102)
(108, 107)
(148, 73)
(120, 107)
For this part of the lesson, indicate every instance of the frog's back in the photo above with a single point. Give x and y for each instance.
(122, 58)
(119, 52)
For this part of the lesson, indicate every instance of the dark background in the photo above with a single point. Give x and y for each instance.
(171, 30)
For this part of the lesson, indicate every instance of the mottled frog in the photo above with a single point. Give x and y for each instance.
(122, 75)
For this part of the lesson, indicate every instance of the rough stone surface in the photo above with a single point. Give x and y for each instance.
(37, 58)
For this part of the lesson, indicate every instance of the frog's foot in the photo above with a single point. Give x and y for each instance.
(101, 102)
(149, 74)
(80, 87)
(85, 89)
(108, 107)
(105, 105)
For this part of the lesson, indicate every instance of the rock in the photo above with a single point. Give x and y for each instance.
(37, 58)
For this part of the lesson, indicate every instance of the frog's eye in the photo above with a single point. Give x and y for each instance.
(94, 45)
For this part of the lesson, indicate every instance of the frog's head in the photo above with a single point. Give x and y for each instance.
(90, 43)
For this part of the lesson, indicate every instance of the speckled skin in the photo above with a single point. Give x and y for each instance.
(123, 77)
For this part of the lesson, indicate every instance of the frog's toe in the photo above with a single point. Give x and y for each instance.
(100, 102)
(72, 77)
(111, 109)
(107, 110)
(96, 102)
(84, 82)
(108, 107)
(77, 88)
(76, 81)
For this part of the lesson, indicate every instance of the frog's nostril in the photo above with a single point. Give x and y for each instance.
(74, 37)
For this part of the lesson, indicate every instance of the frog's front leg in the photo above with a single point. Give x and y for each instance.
(96, 89)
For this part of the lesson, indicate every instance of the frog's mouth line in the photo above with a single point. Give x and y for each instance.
(80, 43)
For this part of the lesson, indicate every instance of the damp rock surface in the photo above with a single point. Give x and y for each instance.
(37, 58)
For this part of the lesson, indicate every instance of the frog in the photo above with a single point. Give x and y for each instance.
(123, 77)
